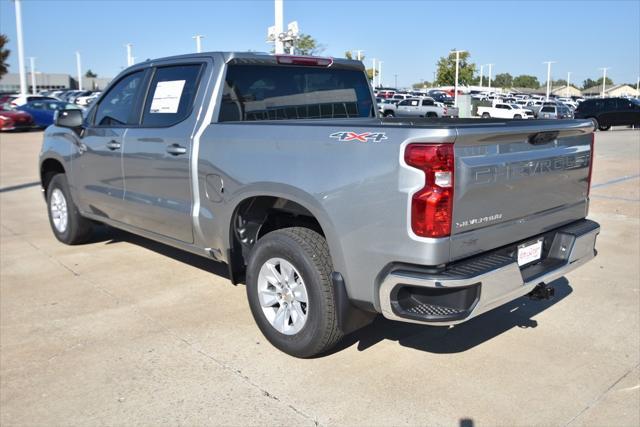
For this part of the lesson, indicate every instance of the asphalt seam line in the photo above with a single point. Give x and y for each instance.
(603, 394)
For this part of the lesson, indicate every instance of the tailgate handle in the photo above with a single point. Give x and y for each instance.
(542, 137)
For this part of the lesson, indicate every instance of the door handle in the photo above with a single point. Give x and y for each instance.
(113, 145)
(176, 150)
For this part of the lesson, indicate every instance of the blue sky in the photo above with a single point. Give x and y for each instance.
(408, 36)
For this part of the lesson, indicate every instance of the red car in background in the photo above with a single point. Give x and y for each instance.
(12, 119)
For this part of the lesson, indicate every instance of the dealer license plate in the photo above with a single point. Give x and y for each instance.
(529, 252)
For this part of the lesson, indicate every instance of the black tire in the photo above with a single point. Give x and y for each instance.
(486, 115)
(308, 252)
(78, 229)
(389, 114)
(517, 117)
(603, 127)
(431, 115)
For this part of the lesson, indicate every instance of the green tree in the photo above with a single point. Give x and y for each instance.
(307, 45)
(586, 84)
(90, 73)
(370, 73)
(349, 55)
(503, 80)
(421, 85)
(609, 82)
(446, 70)
(4, 54)
(525, 80)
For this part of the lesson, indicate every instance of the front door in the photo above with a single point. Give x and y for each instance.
(157, 154)
(97, 169)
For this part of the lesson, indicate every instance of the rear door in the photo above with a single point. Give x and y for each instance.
(156, 157)
(508, 188)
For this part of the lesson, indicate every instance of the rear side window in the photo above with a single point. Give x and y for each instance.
(265, 92)
(171, 95)
(427, 102)
(548, 109)
(118, 105)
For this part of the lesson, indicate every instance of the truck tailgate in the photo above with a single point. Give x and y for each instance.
(518, 180)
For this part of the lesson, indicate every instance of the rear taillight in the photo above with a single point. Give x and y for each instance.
(432, 206)
(591, 159)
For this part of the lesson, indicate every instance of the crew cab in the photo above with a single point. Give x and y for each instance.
(280, 167)
(503, 111)
(424, 107)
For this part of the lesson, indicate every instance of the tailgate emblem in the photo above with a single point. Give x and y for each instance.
(359, 137)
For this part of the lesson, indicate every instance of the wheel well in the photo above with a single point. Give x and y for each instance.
(257, 216)
(48, 169)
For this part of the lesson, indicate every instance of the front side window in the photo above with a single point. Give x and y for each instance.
(427, 102)
(171, 95)
(117, 106)
(267, 92)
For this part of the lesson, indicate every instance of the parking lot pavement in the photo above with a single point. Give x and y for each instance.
(124, 330)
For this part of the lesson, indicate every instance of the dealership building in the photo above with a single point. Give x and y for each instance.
(50, 81)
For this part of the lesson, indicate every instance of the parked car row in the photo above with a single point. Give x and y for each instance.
(38, 113)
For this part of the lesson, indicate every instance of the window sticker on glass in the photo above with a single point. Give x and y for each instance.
(166, 98)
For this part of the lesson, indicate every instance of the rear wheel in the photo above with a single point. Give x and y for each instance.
(290, 291)
(604, 127)
(389, 114)
(431, 115)
(517, 117)
(66, 222)
(486, 115)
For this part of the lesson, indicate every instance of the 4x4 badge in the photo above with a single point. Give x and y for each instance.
(359, 137)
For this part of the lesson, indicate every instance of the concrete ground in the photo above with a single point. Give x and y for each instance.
(126, 331)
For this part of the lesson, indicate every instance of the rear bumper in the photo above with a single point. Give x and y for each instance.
(471, 287)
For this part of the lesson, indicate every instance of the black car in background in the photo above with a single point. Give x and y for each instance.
(609, 112)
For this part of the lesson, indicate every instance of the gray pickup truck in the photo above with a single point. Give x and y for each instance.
(280, 167)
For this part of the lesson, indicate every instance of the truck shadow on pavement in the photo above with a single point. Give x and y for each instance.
(459, 338)
(432, 339)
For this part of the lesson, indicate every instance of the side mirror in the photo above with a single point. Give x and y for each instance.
(69, 118)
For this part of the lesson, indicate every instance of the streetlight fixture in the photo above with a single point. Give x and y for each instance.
(279, 26)
(198, 39)
(604, 79)
(568, 80)
(455, 88)
(549, 76)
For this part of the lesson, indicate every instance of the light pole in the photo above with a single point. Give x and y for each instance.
(79, 69)
(568, 80)
(490, 68)
(380, 73)
(32, 62)
(638, 88)
(455, 88)
(373, 72)
(549, 76)
(198, 38)
(604, 79)
(395, 79)
(129, 46)
(481, 73)
(279, 21)
(23, 77)
(358, 53)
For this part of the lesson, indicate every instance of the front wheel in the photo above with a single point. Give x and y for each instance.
(389, 114)
(604, 127)
(290, 291)
(486, 116)
(66, 222)
(517, 117)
